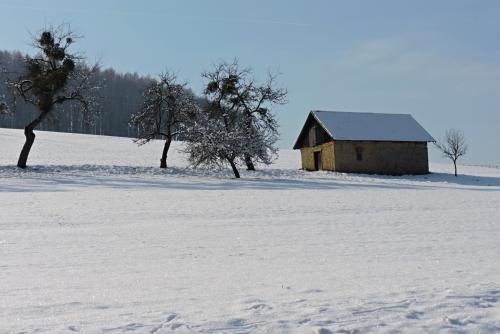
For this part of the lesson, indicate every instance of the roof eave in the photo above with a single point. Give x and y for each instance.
(296, 145)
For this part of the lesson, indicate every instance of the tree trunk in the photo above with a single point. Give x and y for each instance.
(30, 139)
(163, 160)
(233, 166)
(249, 162)
(455, 164)
(248, 125)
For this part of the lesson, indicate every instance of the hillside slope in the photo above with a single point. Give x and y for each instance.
(95, 238)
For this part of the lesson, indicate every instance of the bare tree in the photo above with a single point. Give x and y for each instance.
(453, 146)
(256, 101)
(165, 108)
(233, 90)
(233, 126)
(51, 78)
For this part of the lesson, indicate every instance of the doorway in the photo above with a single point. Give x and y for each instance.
(317, 160)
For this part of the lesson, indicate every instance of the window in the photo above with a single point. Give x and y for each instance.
(359, 153)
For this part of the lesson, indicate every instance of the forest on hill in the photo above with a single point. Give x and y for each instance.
(119, 96)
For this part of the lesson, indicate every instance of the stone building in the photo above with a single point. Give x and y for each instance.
(372, 143)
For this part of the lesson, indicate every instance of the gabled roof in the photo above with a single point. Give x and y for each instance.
(370, 126)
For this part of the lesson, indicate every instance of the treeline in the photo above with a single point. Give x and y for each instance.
(119, 96)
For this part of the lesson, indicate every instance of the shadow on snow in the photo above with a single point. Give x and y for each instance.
(57, 177)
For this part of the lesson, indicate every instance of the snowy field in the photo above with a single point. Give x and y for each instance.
(94, 238)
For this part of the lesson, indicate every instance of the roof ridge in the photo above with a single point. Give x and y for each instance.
(360, 112)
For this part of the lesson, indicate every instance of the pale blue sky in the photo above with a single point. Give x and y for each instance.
(438, 60)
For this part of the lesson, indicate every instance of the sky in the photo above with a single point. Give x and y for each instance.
(438, 60)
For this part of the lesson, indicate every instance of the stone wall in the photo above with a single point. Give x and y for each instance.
(327, 156)
(375, 157)
(381, 157)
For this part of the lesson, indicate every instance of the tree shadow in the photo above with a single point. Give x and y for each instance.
(55, 178)
(438, 179)
(466, 180)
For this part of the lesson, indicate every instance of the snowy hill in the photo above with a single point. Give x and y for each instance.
(95, 238)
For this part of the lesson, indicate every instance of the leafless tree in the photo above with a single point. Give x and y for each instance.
(214, 139)
(165, 108)
(234, 123)
(53, 77)
(453, 146)
(233, 89)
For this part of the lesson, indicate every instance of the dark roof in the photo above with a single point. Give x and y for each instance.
(370, 126)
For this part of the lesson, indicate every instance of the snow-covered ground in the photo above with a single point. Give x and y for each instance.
(94, 238)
